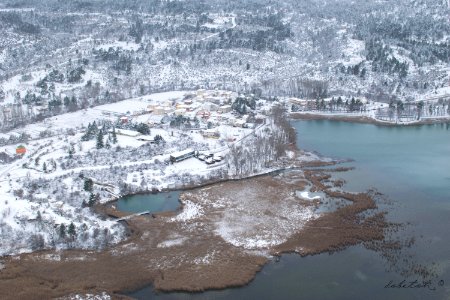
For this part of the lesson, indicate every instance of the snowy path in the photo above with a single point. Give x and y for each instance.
(233, 22)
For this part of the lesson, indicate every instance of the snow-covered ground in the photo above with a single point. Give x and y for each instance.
(433, 108)
(45, 188)
(119, 44)
(352, 53)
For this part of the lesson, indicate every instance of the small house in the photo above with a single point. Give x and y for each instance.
(297, 101)
(204, 114)
(158, 110)
(146, 138)
(182, 155)
(126, 132)
(180, 112)
(211, 134)
(124, 120)
(225, 109)
(239, 123)
(215, 100)
(249, 125)
(21, 150)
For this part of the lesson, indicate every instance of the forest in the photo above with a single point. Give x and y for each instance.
(62, 56)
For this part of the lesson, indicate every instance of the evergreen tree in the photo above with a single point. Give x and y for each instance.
(66, 101)
(72, 232)
(73, 105)
(62, 231)
(142, 128)
(44, 167)
(352, 104)
(91, 200)
(88, 184)
(159, 139)
(91, 131)
(100, 143)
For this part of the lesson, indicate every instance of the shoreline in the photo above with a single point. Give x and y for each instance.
(142, 259)
(106, 209)
(363, 119)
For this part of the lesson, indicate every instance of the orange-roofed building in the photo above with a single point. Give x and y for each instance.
(21, 150)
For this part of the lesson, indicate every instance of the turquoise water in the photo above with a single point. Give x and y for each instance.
(159, 202)
(411, 166)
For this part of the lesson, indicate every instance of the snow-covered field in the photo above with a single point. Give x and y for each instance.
(256, 215)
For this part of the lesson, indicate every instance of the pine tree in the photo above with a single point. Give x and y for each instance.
(91, 200)
(72, 232)
(88, 185)
(158, 139)
(66, 101)
(44, 167)
(100, 143)
(62, 231)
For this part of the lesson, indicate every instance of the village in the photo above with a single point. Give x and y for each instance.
(150, 143)
(205, 115)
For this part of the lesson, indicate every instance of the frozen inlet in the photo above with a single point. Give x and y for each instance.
(182, 155)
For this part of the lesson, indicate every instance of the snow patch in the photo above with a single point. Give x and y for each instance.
(352, 53)
(205, 260)
(247, 230)
(171, 243)
(307, 195)
(52, 257)
(102, 296)
(190, 211)
(290, 154)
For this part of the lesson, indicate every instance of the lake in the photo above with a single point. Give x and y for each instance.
(159, 202)
(410, 166)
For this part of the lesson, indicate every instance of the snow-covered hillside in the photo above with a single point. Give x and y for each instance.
(57, 58)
